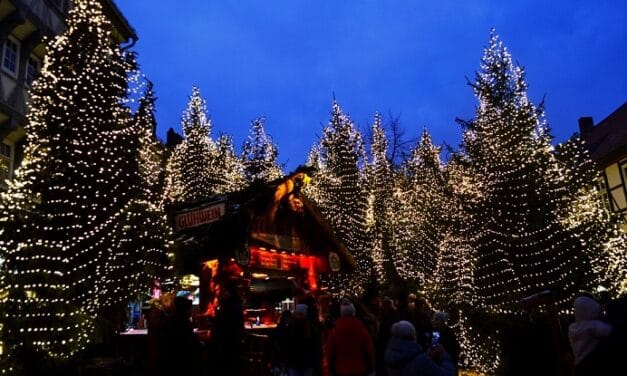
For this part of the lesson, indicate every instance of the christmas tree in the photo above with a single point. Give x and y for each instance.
(522, 247)
(142, 233)
(587, 214)
(452, 284)
(60, 214)
(189, 177)
(226, 169)
(421, 218)
(259, 155)
(379, 179)
(341, 154)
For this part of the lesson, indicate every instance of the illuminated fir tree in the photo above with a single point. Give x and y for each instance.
(587, 214)
(452, 286)
(226, 169)
(522, 246)
(142, 232)
(189, 176)
(316, 190)
(341, 152)
(63, 207)
(151, 151)
(421, 220)
(379, 178)
(259, 155)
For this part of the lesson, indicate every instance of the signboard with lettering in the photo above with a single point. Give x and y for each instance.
(272, 259)
(199, 216)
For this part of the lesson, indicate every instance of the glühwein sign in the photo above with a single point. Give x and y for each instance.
(199, 216)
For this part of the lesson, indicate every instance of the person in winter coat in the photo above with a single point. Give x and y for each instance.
(228, 331)
(183, 350)
(278, 340)
(405, 357)
(158, 316)
(300, 347)
(585, 334)
(349, 348)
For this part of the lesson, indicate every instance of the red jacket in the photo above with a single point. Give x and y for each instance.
(349, 348)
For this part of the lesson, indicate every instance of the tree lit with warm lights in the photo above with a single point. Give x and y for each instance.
(522, 247)
(340, 157)
(379, 179)
(71, 211)
(586, 213)
(259, 155)
(422, 215)
(188, 175)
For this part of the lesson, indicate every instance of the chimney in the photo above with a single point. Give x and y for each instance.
(586, 125)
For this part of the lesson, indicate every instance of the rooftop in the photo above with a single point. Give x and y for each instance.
(607, 140)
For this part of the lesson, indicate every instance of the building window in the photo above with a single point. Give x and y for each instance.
(6, 162)
(10, 55)
(32, 69)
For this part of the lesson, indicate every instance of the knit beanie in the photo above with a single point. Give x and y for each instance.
(404, 329)
(347, 309)
(586, 308)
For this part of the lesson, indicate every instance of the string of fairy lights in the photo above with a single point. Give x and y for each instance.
(378, 179)
(200, 166)
(340, 153)
(506, 217)
(259, 154)
(521, 244)
(75, 202)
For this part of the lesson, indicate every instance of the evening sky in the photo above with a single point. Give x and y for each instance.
(285, 59)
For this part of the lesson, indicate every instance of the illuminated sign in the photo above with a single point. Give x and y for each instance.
(198, 217)
(266, 259)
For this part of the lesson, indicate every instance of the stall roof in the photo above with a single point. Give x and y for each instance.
(276, 214)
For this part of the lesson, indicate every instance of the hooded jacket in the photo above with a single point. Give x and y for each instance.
(587, 331)
(404, 357)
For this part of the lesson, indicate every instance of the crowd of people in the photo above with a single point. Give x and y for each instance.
(380, 336)
(351, 338)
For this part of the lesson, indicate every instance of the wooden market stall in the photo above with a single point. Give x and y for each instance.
(269, 239)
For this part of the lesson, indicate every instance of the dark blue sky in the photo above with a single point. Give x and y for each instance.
(284, 59)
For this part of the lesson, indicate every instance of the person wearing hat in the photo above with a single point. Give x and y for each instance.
(405, 357)
(585, 334)
(349, 348)
(300, 345)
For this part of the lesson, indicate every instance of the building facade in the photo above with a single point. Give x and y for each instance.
(23, 26)
(607, 144)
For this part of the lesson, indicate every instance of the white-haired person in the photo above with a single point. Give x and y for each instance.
(585, 335)
(405, 357)
(349, 347)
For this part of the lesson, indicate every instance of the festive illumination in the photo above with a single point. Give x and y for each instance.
(422, 217)
(68, 224)
(259, 155)
(586, 214)
(200, 167)
(189, 176)
(142, 231)
(379, 183)
(521, 245)
(344, 202)
(226, 168)
(480, 353)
